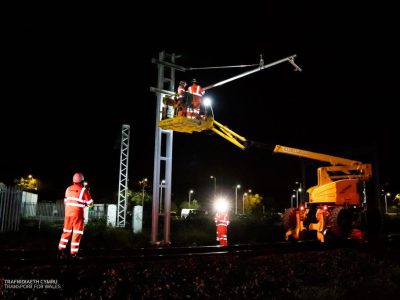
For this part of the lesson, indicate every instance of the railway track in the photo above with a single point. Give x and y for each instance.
(105, 256)
(9, 257)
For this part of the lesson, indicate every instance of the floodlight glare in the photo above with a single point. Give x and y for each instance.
(207, 101)
(221, 204)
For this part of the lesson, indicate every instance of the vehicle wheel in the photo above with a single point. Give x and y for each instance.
(339, 221)
(289, 219)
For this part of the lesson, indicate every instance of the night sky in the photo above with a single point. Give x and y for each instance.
(69, 86)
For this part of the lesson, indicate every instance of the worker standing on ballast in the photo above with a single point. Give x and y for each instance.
(77, 197)
(222, 221)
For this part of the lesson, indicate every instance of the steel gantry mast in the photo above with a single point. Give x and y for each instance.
(123, 176)
(163, 155)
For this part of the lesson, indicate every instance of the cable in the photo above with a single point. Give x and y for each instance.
(223, 67)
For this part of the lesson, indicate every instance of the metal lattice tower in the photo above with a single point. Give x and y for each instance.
(123, 176)
(163, 155)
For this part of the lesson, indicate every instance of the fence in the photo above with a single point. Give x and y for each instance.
(16, 204)
(10, 209)
(54, 212)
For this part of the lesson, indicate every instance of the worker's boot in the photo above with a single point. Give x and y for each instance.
(61, 254)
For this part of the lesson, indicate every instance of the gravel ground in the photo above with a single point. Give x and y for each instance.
(333, 274)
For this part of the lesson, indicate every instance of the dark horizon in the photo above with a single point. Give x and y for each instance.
(343, 103)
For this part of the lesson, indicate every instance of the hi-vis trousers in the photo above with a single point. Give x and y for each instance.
(73, 225)
(222, 234)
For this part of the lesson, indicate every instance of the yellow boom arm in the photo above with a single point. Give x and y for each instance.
(333, 160)
(229, 135)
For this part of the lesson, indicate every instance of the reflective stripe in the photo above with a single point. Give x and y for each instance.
(74, 249)
(64, 240)
(78, 231)
(75, 199)
(67, 230)
(81, 195)
(90, 202)
(77, 244)
(74, 204)
(62, 246)
(221, 224)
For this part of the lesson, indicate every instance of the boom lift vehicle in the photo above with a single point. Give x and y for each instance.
(337, 204)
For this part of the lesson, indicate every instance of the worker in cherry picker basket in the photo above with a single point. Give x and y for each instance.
(196, 93)
(180, 99)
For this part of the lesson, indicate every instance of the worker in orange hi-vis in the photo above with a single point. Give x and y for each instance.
(222, 221)
(196, 92)
(180, 97)
(77, 197)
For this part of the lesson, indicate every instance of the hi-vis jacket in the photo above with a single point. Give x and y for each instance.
(76, 198)
(221, 219)
(196, 90)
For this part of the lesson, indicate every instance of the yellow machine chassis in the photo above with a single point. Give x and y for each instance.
(318, 227)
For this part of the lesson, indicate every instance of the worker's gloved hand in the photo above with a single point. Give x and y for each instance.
(91, 208)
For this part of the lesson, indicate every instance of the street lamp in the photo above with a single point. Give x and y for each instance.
(215, 186)
(244, 195)
(247, 196)
(291, 200)
(386, 195)
(236, 188)
(298, 193)
(143, 183)
(161, 195)
(190, 193)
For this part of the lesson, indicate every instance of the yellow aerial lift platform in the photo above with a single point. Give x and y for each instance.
(188, 125)
(207, 122)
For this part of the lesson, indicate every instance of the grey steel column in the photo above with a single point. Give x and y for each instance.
(123, 176)
(157, 154)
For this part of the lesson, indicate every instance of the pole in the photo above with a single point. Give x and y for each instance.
(143, 182)
(300, 193)
(190, 193)
(236, 206)
(244, 194)
(236, 201)
(143, 194)
(161, 194)
(386, 195)
(161, 198)
(215, 186)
